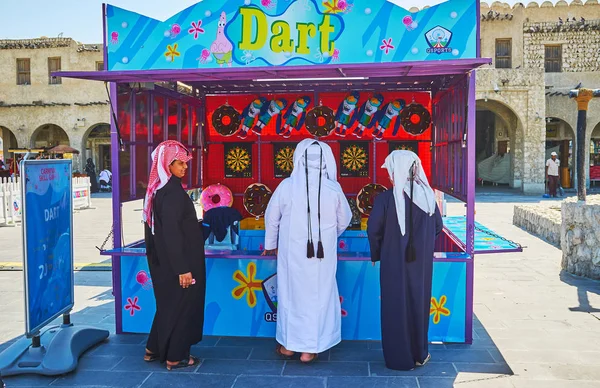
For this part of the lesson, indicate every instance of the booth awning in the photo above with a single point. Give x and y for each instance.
(351, 72)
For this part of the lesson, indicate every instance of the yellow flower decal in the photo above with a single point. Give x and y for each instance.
(438, 309)
(172, 52)
(248, 285)
(333, 6)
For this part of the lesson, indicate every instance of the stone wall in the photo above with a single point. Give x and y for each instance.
(542, 220)
(580, 237)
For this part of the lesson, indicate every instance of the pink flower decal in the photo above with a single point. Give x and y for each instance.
(196, 29)
(387, 46)
(344, 312)
(336, 55)
(132, 306)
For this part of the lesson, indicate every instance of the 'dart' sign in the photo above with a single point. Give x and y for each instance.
(47, 240)
(258, 33)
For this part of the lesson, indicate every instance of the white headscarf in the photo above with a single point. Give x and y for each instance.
(399, 164)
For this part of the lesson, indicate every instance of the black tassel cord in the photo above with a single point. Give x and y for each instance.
(310, 247)
(320, 251)
(411, 254)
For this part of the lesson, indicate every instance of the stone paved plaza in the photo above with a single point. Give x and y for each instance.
(535, 327)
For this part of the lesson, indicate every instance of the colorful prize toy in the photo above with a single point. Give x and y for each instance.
(386, 115)
(344, 117)
(226, 120)
(415, 119)
(216, 195)
(366, 113)
(294, 117)
(249, 115)
(268, 112)
(320, 121)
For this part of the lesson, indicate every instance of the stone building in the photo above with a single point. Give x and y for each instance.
(540, 52)
(37, 110)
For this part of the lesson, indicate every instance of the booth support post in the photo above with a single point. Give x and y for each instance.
(470, 243)
(116, 206)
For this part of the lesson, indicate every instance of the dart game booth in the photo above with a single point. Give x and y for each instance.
(241, 84)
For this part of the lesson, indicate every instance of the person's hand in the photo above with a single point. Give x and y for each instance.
(269, 252)
(185, 280)
(373, 263)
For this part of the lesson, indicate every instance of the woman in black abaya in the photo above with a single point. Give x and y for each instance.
(90, 170)
(175, 251)
(402, 229)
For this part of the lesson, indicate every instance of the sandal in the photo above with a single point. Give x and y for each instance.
(313, 359)
(279, 351)
(150, 357)
(425, 361)
(184, 363)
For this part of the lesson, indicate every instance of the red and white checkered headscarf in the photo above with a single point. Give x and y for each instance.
(166, 153)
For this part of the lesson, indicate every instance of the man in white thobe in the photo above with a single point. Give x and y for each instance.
(303, 233)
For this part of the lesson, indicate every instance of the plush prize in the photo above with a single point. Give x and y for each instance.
(294, 117)
(344, 117)
(386, 115)
(367, 113)
(249, 115)
(267, 112)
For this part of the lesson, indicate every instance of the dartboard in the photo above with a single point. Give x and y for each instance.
(238, 159)
(354, 158)
(284, 160)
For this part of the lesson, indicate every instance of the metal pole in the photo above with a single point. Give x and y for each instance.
(583, 97)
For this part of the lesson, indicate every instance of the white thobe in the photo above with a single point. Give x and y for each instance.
(308, 303)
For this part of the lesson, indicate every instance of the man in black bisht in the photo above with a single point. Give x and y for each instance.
(175, 251)
(402, 229)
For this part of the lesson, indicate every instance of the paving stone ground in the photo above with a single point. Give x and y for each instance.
(536, 327)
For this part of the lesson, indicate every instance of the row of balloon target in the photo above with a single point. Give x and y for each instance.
(321, 120)
(257, 195)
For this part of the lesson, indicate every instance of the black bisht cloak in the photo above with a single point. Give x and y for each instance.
(405, 285)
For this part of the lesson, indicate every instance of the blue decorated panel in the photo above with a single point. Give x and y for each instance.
(241, 299)
(254, 33)
(486, 241)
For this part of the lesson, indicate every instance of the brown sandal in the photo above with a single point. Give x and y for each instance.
(313, 359)
(184, 363)
(279, 351)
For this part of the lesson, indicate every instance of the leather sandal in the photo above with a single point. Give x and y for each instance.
(150, 357)
(279, 351)
(184, 363)
(313, 359)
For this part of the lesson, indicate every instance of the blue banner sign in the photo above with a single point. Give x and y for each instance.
(47, 241)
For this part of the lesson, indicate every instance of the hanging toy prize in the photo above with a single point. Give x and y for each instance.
(268, 112)
(344, 117)
(367, 113)
(226, 120)
(415, 119)
(294, 117)
(385, 117)
(249, 115)
(320, 121)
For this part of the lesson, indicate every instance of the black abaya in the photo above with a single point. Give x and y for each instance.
(90, 170)
(405, 286)
(176, 248)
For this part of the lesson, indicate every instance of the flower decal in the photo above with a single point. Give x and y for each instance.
(344, 312)
(387, 46)
(438, 309)
(132, 306)
(196, 29)
(248, 285)
(172, 52)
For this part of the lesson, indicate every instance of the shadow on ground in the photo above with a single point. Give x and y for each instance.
(252, 362)
(584, 287)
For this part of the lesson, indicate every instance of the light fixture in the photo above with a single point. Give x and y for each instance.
(310, 79)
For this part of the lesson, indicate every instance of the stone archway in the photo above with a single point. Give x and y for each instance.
(500, 132)
(96, 145)
(48, 136)
(560, 138)
(9, 141)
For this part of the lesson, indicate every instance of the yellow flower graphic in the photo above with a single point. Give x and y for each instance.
(248, 285)
(172, 52)
(332, 6)
(438, 309)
